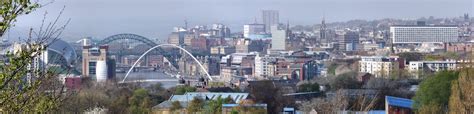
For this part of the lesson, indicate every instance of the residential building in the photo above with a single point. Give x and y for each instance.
(199, 44)
(415, 34)
(380, 66)
(222, 50)
(420, 67)
(264, 66)
(459, 47)
(188, 39)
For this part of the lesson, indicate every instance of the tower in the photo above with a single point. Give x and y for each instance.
(185, 24)
(270, 18)
(323, 30)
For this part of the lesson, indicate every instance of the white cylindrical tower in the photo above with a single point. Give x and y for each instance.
(101, 71)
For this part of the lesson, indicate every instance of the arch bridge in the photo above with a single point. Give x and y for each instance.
(129, 36)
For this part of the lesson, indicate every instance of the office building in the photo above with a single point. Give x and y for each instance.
(251, 30)
(270, 18)
(416, 34)
(347, 40)
(279, 36)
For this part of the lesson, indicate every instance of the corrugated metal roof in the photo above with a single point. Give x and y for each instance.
(237, 97)
(399, 102)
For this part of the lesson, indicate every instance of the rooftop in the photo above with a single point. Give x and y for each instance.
(399, 102)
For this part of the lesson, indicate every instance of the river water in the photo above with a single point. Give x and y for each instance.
(149, 75)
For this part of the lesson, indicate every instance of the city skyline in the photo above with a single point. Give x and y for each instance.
(95, 19)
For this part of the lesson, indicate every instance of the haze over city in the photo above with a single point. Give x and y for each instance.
(237, 56)
(156, 18)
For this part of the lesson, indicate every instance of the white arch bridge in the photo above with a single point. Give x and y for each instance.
(158, 80)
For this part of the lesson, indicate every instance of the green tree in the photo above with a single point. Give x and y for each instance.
(461, 100)
(411, 56)
(175, 105)
(11, 9)
(308, 87)
(24, 88)
(228, 100)
(139, 102)
(215, 106)
(180, 90)
(271, 94)
(196, 105)
(435, 90)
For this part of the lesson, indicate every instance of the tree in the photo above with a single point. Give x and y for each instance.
(267, 92)
(11, 9)
(87, 98)
(461, 100)
(326, 105)
(388, 87)
(228, 100)
(175, 105)
(139, 102)
(215, 106)
(411, 56)
(196, 105)
(308, 87)
(23, 85)
(435, 90)
(345, 81)
(180, 90)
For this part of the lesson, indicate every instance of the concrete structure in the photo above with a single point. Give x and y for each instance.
(347, 40)
(279, 36)
(423, 34)
(379, 66)
(253, 29)
(270, 18)
(95, 63)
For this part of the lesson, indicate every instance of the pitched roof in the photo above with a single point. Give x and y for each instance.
(209, 95)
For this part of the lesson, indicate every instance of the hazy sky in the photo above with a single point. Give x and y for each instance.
(156, 18)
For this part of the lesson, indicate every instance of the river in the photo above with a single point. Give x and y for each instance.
(149, 75)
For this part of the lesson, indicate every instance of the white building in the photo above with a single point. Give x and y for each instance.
(264, 66)
(279, 36)
(379, 66)
(423, 34)
(417, 67)
(253, 29)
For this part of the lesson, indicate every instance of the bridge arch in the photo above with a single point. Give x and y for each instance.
(128, 36)
(171, 45)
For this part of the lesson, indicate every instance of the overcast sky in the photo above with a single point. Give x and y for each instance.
(156, 18)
